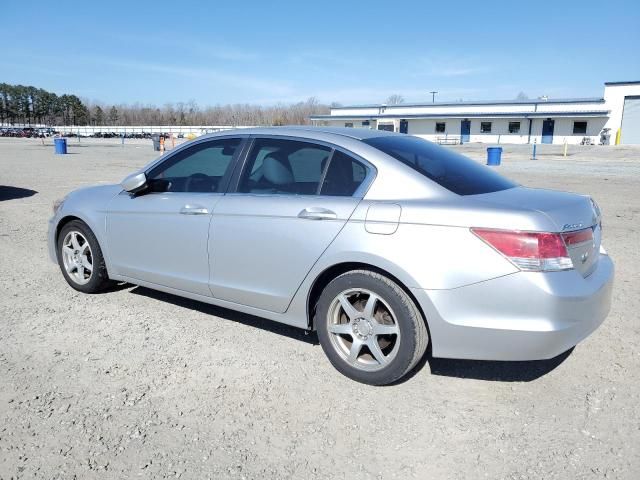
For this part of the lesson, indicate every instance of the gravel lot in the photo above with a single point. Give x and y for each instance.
(135, 383)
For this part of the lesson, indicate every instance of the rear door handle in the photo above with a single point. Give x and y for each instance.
(194, 210)
(317, 213)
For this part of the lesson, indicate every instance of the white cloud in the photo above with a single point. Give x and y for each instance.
(214, 49)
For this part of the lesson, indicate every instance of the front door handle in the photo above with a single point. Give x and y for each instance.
(194, 210)
(317, 213)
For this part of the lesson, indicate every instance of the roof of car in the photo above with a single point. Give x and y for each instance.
(308, 131)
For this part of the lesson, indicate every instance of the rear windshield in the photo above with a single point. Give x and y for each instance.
(447, 168)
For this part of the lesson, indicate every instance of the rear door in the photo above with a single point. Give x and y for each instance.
(291, 199)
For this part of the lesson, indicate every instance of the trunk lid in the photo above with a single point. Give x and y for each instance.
(569, 212)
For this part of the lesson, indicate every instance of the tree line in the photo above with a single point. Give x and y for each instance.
(20, 104)
(27, 105)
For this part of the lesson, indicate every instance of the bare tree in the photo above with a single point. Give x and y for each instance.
(395, 99)
(98, 115)
(522, 96)
(113, 115)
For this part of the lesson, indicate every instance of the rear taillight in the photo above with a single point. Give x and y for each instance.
(580, 236)
(531, 251)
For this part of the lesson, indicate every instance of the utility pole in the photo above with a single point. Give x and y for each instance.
(433, 96)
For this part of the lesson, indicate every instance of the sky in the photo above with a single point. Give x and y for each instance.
(350, 52)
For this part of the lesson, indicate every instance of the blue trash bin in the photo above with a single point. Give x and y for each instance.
(494, 154)
(60, 145)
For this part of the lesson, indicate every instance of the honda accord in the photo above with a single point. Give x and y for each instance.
(383, 243)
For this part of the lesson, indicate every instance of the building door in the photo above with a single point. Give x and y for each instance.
(547, 130)
(465, 131)
(631, 121)
(404, 126)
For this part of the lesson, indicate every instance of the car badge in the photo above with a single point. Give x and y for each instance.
(572, 226)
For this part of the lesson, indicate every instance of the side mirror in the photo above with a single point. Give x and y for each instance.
(134, 182)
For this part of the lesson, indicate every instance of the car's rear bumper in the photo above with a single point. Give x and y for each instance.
(522, 316)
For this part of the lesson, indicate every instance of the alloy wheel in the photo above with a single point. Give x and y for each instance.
(77, 257)
(363, 329)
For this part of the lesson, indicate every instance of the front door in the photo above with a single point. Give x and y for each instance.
(465, 131)
(404, 126)
(292, 199)
(161, 235)
(547, 130)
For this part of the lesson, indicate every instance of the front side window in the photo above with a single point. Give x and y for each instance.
(449, 169)
(276, 166)
(485, 127)
(440, 127)
(580, 128)
(514, 127)
(199, 168)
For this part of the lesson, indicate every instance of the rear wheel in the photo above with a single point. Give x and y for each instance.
(369, 328)
(80, 258)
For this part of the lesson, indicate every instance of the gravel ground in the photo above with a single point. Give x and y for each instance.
(135, 383)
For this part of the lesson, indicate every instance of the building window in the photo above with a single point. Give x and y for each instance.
(365, 123)
(441, 127)
(485, 127)
(514, 127)
(348, 125)
(579, 128)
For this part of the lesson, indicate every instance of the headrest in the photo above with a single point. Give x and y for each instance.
(276, 169)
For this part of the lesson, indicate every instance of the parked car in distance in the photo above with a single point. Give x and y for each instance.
(381, 242)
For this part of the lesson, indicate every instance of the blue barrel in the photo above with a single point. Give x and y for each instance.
(60, 145)
(494, 154)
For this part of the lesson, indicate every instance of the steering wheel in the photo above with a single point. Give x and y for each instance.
(193, 180)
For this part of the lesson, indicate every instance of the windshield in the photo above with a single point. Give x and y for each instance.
(447, 168)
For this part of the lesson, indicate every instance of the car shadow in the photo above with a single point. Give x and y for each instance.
(12, 193)
(496, 371)
(232, 315)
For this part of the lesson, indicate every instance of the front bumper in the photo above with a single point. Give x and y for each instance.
(522, 316)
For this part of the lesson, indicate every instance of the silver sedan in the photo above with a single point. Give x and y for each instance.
(381, 242)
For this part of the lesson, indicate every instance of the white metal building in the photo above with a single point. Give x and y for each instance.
(514, 121)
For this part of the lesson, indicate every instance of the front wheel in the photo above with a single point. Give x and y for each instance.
(80, 258)
(369, 328)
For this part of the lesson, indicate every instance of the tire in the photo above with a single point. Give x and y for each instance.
(77, 250)
(361, 309)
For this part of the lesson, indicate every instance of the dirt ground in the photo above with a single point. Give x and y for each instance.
(135, 383)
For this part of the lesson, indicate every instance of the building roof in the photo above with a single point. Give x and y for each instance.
(535, 101)
(559, 113)
(632, 82)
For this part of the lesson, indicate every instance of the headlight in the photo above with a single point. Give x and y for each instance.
(57, 205)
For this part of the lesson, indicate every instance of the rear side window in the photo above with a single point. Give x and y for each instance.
(284, 166)
(343, 176)
(449, 169)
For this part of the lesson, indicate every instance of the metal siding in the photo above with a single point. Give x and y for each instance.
(631, 121)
